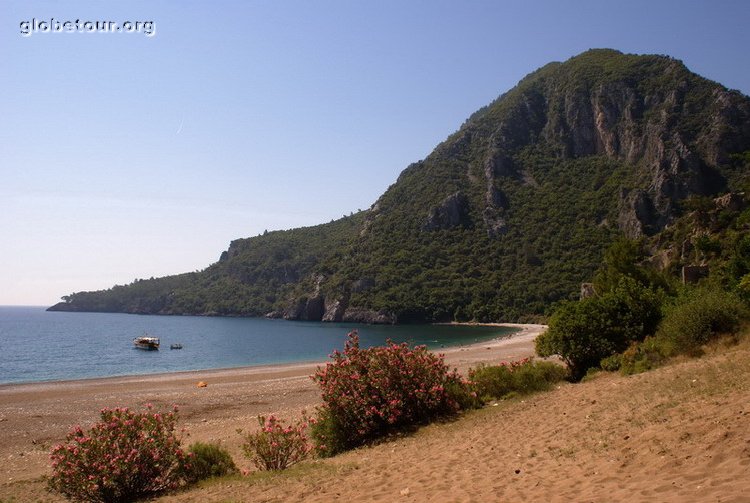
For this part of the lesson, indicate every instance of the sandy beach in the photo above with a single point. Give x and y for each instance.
(680, 433)
(36, 416)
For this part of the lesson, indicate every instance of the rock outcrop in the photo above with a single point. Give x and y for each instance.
(335, 309)
(693, 273)
(369, 316)
(638, 216)
(453, 211)
(731, 201)
(587, 290)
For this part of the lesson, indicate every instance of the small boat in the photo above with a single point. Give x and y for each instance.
(146, 342)
(175, 346)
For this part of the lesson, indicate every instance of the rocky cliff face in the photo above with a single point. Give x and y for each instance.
(673, 126)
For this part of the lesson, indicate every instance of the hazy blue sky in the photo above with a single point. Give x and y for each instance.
(125, 156)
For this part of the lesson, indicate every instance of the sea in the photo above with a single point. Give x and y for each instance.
(36, 345)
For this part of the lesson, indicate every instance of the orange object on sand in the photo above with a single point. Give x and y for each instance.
(202, 384)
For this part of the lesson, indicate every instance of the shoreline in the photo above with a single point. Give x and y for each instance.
(159, 376)
(260, 368)
(36, 416)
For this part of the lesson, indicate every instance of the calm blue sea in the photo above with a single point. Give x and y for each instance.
(36, 345)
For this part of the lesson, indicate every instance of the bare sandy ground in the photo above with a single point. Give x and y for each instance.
(34, 417)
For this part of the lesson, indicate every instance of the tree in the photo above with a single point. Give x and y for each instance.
(620, 259)
(585, 332)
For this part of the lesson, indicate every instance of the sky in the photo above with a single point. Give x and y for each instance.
(143, 153)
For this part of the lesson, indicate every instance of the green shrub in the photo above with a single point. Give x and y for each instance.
(329, 436)
(643, 356)
(611, 363)
(369, 393)
(516, 378)
(585, 332)
(126, 456)
(591, 374)
(209, 460)
(743, 288)
(699, 316)
(491, 381)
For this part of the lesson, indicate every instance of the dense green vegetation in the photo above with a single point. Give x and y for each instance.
(586, 331)
(552, 244)
(250, 279)
(504, 219)
(641, 316)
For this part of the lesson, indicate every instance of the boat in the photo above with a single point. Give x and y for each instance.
(175, 346)
(146, 342)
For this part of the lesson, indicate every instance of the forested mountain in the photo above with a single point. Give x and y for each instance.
(504, 218)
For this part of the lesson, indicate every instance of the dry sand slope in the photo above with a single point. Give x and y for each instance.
(676, 434)
(680, 433)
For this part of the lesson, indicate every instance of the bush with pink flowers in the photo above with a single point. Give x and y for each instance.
(368, 393)
(125, 456)
(277, 445)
